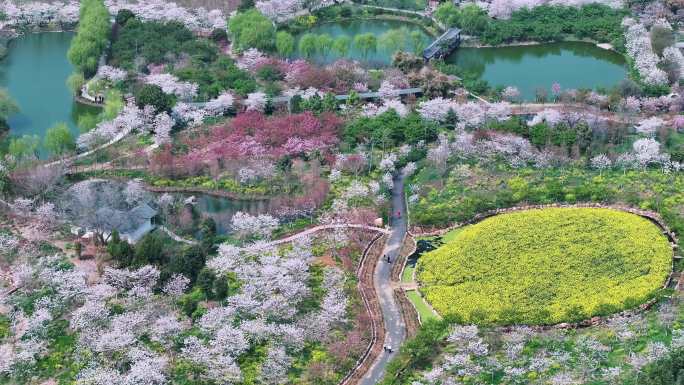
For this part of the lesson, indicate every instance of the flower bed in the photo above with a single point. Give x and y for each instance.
(547, 266)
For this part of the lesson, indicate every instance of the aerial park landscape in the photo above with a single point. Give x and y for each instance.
(341, 192)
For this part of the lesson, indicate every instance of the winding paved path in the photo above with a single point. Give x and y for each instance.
(395, 330)
(313, 230)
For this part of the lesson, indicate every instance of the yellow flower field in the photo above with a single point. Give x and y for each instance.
(546, 266)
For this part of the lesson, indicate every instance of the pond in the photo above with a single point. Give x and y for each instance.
(570, 64)
(35, 73)
(221, 210)
(413, 38)
(527, 67)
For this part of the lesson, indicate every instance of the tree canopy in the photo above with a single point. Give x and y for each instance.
(58, 139)
(92, 36)
(251, 29)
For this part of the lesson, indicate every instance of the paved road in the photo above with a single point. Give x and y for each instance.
(394, 323)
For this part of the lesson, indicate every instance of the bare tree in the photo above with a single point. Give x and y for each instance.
(37, 181)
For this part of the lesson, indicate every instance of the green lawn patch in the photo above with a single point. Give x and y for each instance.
(407, 275)
(451, 235)
(423, 309)
(546, 266)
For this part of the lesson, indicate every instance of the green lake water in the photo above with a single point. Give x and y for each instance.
(35, 72)
(570, 64)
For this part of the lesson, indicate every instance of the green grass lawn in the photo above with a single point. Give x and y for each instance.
(407, 275)
(451, 235)
(423, 309)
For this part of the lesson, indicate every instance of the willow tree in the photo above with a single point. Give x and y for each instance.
(366, 43)
(325, 44)
(251, 29)
(341, 45)
(393, 40)
(285, 43)
(58, 139)
(91, 39)
(308, 45)
(417, 41)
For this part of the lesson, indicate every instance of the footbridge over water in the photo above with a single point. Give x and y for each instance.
(444, 45)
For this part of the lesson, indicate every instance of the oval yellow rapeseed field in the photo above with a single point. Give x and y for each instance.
(546, 266)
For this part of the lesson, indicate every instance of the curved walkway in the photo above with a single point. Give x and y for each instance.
(316, 229)
(176, 237)
(291, 238)
(395, 330)
(82, 155)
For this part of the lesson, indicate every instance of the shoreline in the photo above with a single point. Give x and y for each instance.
(388, 17)
(8, 34)
(475, 44)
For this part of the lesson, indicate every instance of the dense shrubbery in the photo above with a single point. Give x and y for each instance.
(389, 130)
(666, 371)
(217, 76)
(547, 266)
(417, 5)
(547, 23)
(473, 189)
(152, 95)
(153, 249)
(192, 59)
(543, 23)
(155, 42)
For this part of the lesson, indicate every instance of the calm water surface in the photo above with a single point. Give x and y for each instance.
(35, 72)
(571, 64)
(221, 210)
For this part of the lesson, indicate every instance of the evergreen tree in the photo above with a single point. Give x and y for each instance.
(205, 280)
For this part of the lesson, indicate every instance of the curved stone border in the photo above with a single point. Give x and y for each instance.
(654, 217)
